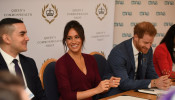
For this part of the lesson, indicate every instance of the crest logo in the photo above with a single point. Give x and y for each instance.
(101, 11)
(49, 14)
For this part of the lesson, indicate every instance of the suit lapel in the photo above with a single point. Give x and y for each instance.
(22, 62)
(131, 54)
(3, 65)
(24, 66)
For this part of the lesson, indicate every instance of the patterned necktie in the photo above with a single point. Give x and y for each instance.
(18, 70)
(139, 71)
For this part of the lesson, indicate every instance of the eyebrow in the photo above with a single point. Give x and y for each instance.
(147, 42)
(69, 36)
(23, 32)
(72, 36)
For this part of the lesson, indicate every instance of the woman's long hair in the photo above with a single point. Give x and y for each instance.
(169, 40)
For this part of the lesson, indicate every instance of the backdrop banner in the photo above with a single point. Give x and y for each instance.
(45, 21)
(130, 12)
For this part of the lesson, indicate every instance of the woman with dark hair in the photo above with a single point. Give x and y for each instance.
(76, 72)
(163, 59)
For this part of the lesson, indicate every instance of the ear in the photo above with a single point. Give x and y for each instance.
(6, 38)
(136, 37)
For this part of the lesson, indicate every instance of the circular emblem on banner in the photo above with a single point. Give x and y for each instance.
(101, 11)
(49, 14)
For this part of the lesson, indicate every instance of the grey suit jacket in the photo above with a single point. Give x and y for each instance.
(31, 74)
(121, 63)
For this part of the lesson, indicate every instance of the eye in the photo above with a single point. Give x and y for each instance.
(22, 33)
(146, 42)
(77, 37)
(69, 38)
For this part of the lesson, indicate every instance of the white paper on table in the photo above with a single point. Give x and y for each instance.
(152, 91)
(127, 98)
(155, 91)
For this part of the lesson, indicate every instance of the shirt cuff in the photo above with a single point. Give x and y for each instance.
(149, 86)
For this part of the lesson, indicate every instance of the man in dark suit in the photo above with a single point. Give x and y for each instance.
(13, 41)
(123, 62)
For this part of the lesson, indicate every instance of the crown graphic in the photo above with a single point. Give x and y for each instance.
(49, 12)
(101, 11)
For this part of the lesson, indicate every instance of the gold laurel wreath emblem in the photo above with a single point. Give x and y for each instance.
(56, 11)
(96, 12)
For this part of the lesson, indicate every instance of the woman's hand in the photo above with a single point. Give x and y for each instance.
(114, 82)
(103, 86)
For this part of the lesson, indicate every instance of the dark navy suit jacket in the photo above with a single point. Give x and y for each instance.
(121, 63)
(31, 75)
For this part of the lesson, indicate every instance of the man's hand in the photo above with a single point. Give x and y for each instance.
(162, 82)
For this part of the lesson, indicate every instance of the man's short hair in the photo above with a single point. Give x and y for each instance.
(144, 28)
(6, 26)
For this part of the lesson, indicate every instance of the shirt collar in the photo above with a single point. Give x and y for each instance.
(8, 59)
(135, 51)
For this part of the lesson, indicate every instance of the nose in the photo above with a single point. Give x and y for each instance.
(26, 38)
(148, 45)
(73, 39)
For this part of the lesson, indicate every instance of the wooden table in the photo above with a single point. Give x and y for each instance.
(135, 94)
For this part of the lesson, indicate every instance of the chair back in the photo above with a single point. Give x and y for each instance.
(101, 62)
(102, 67)
(50, 82)
(48, 79)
